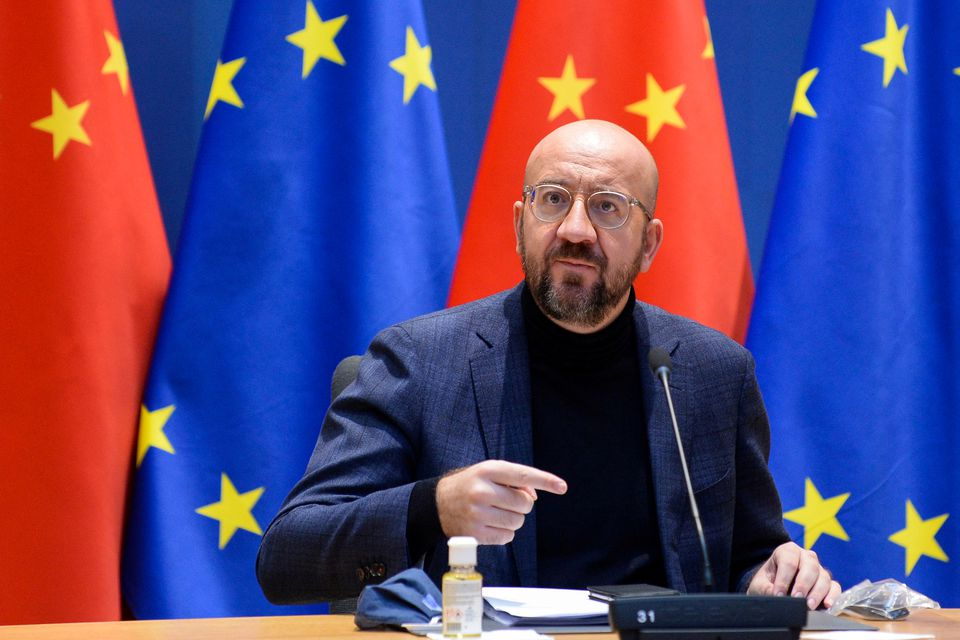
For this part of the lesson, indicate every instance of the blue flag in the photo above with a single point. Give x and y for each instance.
(856, 323)
(321, 211)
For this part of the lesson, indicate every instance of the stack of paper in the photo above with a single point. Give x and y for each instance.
(528, 607)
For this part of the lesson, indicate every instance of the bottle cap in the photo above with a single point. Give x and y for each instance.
(463, 550)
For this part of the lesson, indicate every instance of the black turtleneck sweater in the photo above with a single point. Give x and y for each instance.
(589, 429)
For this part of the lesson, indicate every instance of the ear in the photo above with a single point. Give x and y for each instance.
(517, 222)
(654, 237)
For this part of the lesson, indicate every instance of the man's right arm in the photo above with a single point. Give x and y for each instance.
(344, 523)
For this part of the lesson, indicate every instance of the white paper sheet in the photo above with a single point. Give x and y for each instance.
(502, 634)
(861, 635)
(524, 602)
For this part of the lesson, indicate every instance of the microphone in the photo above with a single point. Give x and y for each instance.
(660, 362)
(718, 616)
(661, 366)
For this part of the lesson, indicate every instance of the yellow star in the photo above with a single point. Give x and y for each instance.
(659, 107)
(316, 39)
(221, 89)
(957, 71)
(233, 511)
(801, 103)
(818, 516)
(64, 124)
(567, 90)
(890, 48)
(414, 66)
(117, 62)
(151, 431)
(708, 49)
(919, 537)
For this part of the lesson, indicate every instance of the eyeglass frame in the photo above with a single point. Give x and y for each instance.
(528, 189)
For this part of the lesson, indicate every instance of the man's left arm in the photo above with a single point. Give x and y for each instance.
(758, 517)
(764, 560)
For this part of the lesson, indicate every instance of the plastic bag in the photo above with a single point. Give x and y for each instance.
(882, 600)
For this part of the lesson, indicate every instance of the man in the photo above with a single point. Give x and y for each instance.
(530, 421)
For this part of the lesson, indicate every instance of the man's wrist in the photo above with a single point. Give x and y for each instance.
(423, 519)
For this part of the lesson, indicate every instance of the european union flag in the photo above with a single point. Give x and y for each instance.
(321, 211)
(856, 324)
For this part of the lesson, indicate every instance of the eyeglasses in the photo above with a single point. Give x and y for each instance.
(606, 209)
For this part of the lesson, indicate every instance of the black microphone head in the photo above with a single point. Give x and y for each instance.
(659, 359)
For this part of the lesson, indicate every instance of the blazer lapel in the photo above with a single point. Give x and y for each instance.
(500, 370)
(668, 484)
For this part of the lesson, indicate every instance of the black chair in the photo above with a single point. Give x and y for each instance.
(343, 375)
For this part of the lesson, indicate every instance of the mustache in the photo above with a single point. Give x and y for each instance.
(577, 252)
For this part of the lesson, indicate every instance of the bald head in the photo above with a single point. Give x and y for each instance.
(578, 269)
(598, 145)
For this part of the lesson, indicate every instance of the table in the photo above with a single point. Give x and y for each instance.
(943, 623)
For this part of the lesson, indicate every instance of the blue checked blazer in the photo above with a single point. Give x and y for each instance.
(450, 389)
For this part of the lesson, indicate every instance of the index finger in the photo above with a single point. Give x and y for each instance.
(522, 476)
(788, 564)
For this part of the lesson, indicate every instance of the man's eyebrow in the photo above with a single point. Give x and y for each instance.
(605, 186)
(567, 182)
(554, 180)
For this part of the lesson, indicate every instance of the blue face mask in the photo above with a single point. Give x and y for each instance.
(409, 596)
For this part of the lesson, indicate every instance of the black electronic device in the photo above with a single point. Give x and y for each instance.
(610, 592)
(717, 616)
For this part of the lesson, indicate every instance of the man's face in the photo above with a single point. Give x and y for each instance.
(573, 282)
(578, 273)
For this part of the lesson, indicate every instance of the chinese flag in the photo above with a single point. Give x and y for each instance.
(83, 270)
(647, 66)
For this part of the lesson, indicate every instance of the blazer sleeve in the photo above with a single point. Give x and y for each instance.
(344, 524)
(758, 520)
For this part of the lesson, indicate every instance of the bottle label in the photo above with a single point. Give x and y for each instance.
(462, 608)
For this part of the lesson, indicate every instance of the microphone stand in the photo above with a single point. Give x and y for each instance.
(701, 616)
(663, 374)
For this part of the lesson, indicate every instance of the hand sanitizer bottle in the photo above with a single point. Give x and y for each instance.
(462, 597)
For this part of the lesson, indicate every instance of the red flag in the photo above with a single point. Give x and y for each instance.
(647, 66)
(83, 271)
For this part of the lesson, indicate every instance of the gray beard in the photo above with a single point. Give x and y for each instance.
(569, 300)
